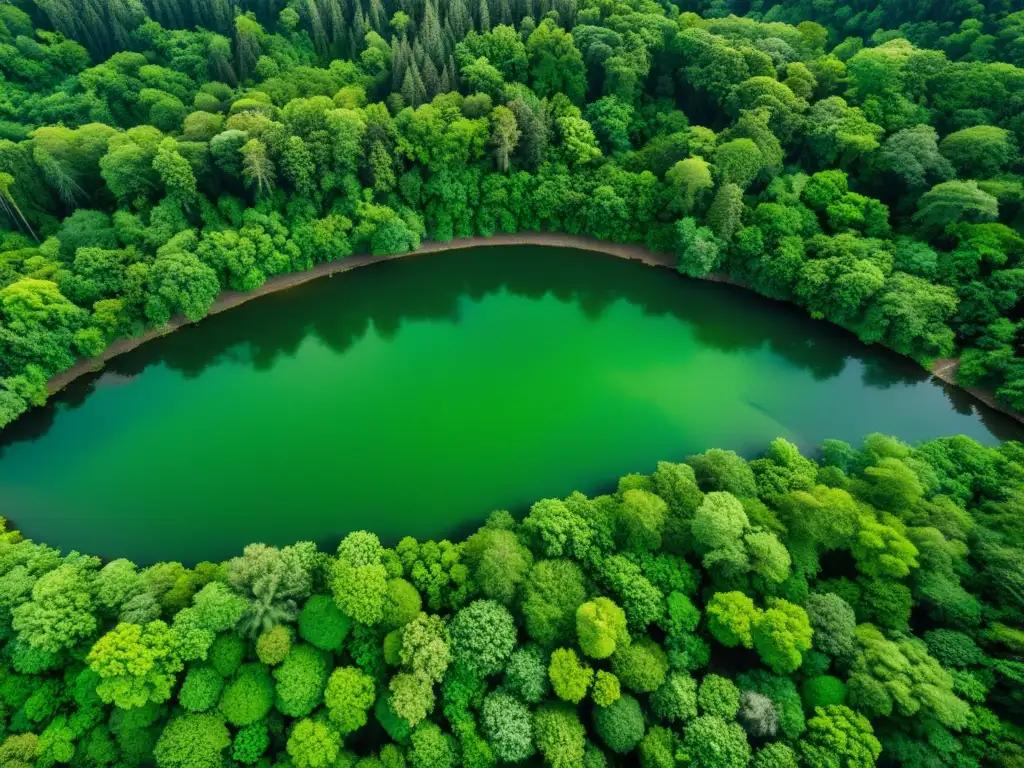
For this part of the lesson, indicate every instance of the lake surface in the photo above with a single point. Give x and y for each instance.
(414, 397)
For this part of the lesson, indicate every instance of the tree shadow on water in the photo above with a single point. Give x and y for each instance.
(340, 311)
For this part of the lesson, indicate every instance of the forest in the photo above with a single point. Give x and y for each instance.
(860, 609)
(862, 162)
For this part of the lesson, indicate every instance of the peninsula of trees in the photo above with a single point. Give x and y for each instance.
(863, 609)
(863, 163)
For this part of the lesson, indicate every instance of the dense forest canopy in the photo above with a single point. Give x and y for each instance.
(862, 161)
(863, 609)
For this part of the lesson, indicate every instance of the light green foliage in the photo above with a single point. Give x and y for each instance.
(775, 755)
(675, 701)
(601, 627)
(247, 698)
(606, 688)
(136, 664)
(781, 634)
(641, 666)
(499, 561)
(658, 748)
(719, 697)
(192, 741)
(201, 689)
(431, 748)
(731, 619)
(570, 678)
(273, 645)
(300, 680)
(313, 744)
(349, 694)
(59, 613)
(711, 742)
(360, 580)
(559, 734)
(839, 736)
(900, 677)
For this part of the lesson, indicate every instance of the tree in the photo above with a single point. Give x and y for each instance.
(952, 202)
(738, 162)
(570, 679)
(556, 65)
(641, 520)
(838, 736)
(711, 742)
(620, 725)
(432, 747)
(59, 614)
(201, 689)
(719, 697)
(136, 665)
(640, 666)
(731, 619)
(505, 136)
(273, 645)
(551, 596)
(718, 470)
(179, 282)
(676, 700)
(192, 741)
(483, 636)
(696, 249)
(559, 734)
(299, 681)
(979, 151)
(272, 580)
(257, 167)
(499, 562)
(313, 744)
(689, 180)
(726, 212)
(601, 627)
(781, 634)
(757, 715)
(526, 674)
(348, 696)
(912, 156)
(247, 698)
(606, 689)
(321, 623)
(834, 623)
(508, 726)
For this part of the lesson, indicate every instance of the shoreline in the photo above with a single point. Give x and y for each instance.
(944, 369)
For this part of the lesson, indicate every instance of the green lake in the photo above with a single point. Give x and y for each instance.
(414, 397)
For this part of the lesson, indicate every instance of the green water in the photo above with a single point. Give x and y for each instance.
(414, 397)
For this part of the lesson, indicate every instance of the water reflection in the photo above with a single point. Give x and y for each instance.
(339, 311)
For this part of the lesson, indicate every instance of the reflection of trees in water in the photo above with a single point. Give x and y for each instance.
(339, 312)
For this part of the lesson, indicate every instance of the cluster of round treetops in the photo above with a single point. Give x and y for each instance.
(862, 609)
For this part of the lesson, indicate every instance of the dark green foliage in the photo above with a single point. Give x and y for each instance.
(620, 725)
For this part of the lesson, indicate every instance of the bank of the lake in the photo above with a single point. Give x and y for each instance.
(415, 397)
(944, 369)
